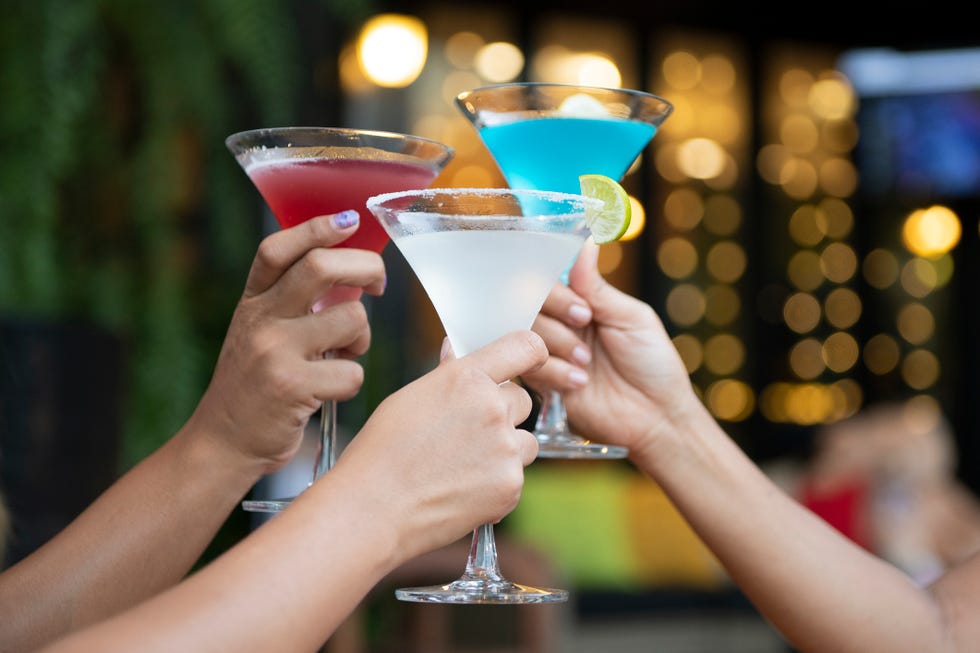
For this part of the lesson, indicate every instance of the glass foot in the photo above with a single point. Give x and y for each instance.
(481, 591)
(571, 446)
(268, 505)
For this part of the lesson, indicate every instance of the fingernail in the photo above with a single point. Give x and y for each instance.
(579, 314)
(384, 283)
(445, 349)
(578, 378)
(581, 355)
(346, 219)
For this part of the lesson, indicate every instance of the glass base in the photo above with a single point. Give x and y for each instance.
(268, 505)
(571, 446)
(481, 591)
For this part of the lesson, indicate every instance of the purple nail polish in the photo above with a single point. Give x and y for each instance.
(346, 219)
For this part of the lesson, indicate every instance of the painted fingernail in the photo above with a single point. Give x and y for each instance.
(579, 314)
(578, 378)
(346, 219)
(581, 355)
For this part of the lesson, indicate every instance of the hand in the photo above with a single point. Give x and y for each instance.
(271, 374)
(620, 376)
(443, 454)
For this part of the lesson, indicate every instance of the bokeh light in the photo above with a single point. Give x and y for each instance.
(392, 49)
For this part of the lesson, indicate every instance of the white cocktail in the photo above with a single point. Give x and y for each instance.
(487, 259)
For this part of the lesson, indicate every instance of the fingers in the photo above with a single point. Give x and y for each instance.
(584, 277)
(279, 251)
(557, 374)
(342, 329)
(562, 341)
(510, 356)
(566, 305)
(325, 273)
(529, 446)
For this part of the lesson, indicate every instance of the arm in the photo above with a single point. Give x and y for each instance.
(146, 531)
(821, 591)
(434, 461)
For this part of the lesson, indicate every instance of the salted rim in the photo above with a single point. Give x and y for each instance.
(375, 200)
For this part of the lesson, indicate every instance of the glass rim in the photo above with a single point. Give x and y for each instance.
(234, 140)
(549, 195)
(565, 85)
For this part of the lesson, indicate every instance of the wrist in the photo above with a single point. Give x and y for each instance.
(676, 439)
(214, 460)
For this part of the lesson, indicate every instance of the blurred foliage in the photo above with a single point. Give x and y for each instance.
(119, 204)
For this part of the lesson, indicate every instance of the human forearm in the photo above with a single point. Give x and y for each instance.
(820, 590)
(142, 535)
(262, 596)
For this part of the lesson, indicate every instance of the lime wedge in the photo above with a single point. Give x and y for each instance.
(610, 222)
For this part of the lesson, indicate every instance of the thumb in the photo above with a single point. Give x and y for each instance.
(584, 277)
(610, 306)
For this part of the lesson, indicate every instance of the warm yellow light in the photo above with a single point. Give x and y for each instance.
(681, 70)
(798, 178)
(802, 312)
(726, 261)
(832, 97)
(915, 323)
(722, 304)
(685, 303)
(392, 49)
(690, 350)
(881, 354)
(610, 256)
(842, 307)
(499, 61)
(799, 133)
(461, 48)
(806, 359)
(840, 351)
(880, 268)
(920, 369)
(808, 225)
(701, 158)
(730, 400)
(683, 209)
(638, 219)
(931, 232)
(724, 354)
(597, 70)
(838, 262)
(677, 257)
(722, 214)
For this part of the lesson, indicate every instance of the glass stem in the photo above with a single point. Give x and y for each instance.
(552, 420)
(482, 561)
(326, 451)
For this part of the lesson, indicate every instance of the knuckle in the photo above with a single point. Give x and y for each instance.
(321, 231)
(265, 255)
(535, 347)
(318, 263)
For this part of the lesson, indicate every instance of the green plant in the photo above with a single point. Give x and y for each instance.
(119, 204)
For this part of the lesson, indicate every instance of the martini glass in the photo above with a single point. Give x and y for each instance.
(303, 172)
(487, 259)
(544, 136)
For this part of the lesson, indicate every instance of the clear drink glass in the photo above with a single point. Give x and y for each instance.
(304, 172)
(487, 259)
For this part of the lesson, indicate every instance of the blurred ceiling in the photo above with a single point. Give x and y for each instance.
(937, 24)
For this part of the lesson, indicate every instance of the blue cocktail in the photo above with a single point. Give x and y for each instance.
(543, 137)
